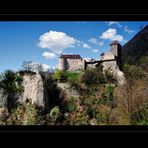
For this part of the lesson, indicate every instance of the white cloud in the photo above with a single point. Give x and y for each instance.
(56, 41)
(46, 67)
(101, 43)
(48, 55)
(126, 29)
(114, 22)
(111, 34)
(95, 50)
(93, 40)
(86, 46)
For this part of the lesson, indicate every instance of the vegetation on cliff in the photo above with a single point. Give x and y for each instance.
(99, 100)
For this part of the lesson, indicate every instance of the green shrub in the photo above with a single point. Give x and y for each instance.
(52, 91)
(72, 76)
(133, 72)
(92, 77)
(109, 77)
(11, 82)
(55, 113)
(71, 106)
(60, 76)
(140, 117)
(23, 114)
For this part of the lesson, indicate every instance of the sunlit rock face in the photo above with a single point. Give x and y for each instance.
(33, 92)
(33, 89)
(114, 69)
(119, 75)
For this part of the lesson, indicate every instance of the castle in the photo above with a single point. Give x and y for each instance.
(110, 60)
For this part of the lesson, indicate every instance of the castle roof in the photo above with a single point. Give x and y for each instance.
(74, 56)
(114, 43)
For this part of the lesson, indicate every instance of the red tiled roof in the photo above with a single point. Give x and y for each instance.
(75, 56)
(114, 43)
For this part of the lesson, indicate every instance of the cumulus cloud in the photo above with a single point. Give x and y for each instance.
(56, 41)
(49, 55)
(126, 29)
(93, 40)
(111, 34)
(95, 50)
(114, 22)
(86, 46)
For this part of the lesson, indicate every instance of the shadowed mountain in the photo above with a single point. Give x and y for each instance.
(136, 48)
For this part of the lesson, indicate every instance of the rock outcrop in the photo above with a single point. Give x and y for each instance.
(117, 73)
(33, 90)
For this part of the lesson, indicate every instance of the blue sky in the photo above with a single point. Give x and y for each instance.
(43, 42)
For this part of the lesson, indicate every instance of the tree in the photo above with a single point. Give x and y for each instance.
(143, 63)
(60, 76)
(26, 65)
(10, 81)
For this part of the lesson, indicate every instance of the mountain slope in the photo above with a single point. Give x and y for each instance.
(137, 47)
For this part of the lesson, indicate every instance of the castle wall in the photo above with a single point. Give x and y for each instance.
(91, 65)
(74, 64)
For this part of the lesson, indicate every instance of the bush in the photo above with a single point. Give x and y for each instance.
(140, 117)
(23, 114)
(55, 113)
(143, 63)
(72, 76)
(11, 82)
(71, 106)
(52, 91)
(133, 72)
(109, 77)
(60, 76)
(92, 77)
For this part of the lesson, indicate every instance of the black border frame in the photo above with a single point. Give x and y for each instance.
(73, 17)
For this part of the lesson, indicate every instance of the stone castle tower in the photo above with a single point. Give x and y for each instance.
(115, 48)
(62, 63)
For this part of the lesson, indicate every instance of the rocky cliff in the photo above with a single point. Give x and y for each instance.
(33, 89)
(114, 69)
